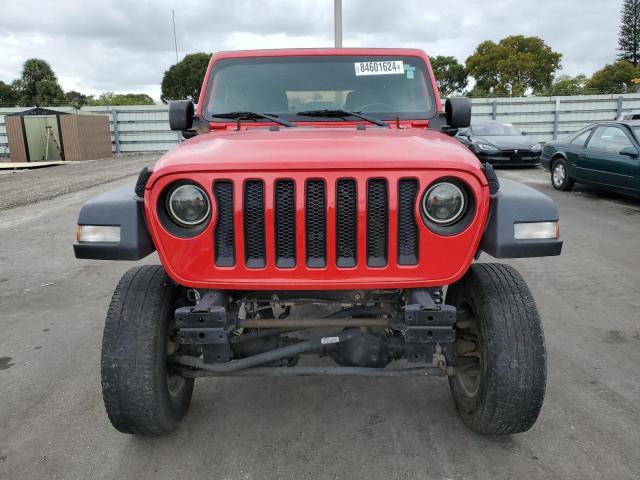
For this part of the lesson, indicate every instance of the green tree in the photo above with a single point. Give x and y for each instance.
(110, 98)
(514, 65)
(38, 84)
(184, 79)
(566, 85)
(629, 35)
(8, 95)
(451, 77)
(479, 91)
(77, 99)
(615, 78)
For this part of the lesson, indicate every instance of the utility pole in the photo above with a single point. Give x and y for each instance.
(337, 22)
(175, 40)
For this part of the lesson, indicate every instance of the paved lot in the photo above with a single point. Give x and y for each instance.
(24, 187)
(53, 425)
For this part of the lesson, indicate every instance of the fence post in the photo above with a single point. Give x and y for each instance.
(556, 119)
(494, 111)
(116, 130)
(619, 107)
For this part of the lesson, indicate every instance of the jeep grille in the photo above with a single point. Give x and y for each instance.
(311, 248)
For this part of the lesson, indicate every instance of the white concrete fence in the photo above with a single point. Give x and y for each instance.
(146, 128)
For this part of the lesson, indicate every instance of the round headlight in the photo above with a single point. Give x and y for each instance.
(188, 205)
(444, 203)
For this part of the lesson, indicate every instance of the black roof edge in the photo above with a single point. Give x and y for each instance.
(36, 111)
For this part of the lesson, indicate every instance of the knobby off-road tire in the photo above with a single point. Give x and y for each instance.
(499, 336)
(139, 393)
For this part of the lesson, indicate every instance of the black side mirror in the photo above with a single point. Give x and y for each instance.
(629, 152)
(458, 112)
(181, 115)
(524, 133)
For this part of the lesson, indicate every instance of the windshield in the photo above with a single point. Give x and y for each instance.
(384, 87)
(494, 129)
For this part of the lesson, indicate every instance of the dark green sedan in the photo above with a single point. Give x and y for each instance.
(604, 155)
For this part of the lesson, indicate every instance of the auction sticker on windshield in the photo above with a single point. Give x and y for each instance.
(384, 67)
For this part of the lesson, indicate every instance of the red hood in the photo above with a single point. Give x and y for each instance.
(312, 148)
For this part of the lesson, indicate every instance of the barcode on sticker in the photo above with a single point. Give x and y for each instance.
(384, 67)
(328, 340)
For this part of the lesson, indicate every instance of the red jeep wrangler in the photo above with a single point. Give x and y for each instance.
(328, 178)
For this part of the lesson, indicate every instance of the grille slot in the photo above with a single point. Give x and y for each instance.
(407, 226)
(377, 222)
(285, 227)
(254, 234)
(316, 223)
(346, 223)
(224, 234)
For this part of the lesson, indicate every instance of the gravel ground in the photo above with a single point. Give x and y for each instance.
(53, 423)
(24, 187)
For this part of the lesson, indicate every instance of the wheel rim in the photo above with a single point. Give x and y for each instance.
(559, 174)
(468, 350)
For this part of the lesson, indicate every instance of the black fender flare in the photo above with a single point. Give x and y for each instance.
(117, 207)
(518, 203)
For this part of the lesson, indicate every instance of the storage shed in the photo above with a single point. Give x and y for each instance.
(41, 134)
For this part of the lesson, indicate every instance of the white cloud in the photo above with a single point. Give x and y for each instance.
(126, 46)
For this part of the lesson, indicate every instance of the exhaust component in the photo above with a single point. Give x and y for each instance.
(266, 357)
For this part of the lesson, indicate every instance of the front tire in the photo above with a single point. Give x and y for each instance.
(499, 353)
(560, 179)
(140, 393)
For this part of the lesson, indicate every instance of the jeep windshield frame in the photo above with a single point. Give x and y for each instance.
(285, 85)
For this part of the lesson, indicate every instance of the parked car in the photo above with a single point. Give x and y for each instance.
(500, 143)
(629, 116)
(604, 155)
(364, 203)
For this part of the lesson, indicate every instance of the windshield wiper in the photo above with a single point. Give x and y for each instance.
(341, 113)
(253, 116)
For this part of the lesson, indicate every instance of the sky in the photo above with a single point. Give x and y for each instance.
(126, 46)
